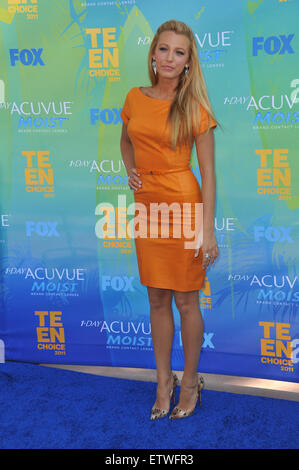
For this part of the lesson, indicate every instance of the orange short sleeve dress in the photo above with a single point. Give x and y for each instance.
(165, 205)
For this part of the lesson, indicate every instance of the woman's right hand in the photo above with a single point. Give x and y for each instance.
(133, 181)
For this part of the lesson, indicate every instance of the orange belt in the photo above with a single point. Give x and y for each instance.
(160, 172)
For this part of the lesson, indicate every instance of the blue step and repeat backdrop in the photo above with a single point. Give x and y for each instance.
(70, 296)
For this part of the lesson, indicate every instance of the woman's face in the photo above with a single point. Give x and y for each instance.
(171, 54)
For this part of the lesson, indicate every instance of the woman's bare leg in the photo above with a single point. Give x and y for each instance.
(192, 328)
(162, 328)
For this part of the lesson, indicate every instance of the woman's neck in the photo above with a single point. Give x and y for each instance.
(165, 89)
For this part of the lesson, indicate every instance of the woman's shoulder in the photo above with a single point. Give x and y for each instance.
(140, 90)
(132, 94)
(133, 90)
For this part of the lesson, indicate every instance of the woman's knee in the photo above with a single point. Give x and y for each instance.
(159, 299)
(186, 302)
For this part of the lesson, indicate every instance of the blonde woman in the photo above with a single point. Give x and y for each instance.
(160, 125)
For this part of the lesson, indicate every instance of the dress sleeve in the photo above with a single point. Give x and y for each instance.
(126, 112)
(204, 122)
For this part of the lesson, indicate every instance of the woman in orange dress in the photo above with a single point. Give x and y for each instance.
(160, 125)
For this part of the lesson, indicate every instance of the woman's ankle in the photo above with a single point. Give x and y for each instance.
(164, 378)
(189, 381)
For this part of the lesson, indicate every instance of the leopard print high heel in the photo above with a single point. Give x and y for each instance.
(178, 413)
(158, 413)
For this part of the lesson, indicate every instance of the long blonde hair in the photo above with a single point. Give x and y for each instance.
(184, 114)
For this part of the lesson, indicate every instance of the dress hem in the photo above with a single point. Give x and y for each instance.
(171, 288)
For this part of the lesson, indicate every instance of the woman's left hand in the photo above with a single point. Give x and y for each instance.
(209, 250)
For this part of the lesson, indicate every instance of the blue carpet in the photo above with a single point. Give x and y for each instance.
(47, 408)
